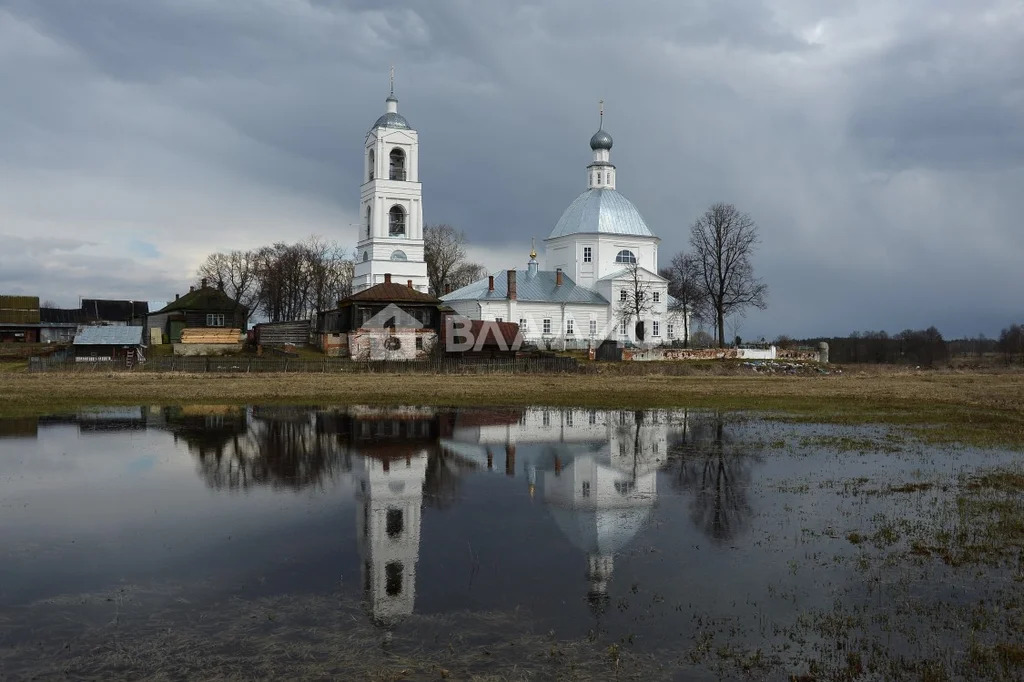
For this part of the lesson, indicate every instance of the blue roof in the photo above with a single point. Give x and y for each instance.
(392, 119)
(109, 336)
(531, 287)
(602, 211)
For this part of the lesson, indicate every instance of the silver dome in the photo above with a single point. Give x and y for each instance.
(601, 211)
(601, 140)
(392, 119)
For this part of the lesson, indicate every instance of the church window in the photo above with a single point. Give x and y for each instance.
(593, 418)
(522, 324)
(499, 319)
(655, 328)
(657, 296)
(670, 330)
(599, 178)
(395, 523)
(625, 256)
(372, 161)
(623, 294)
(366, 256)
(547, 325)
(545, 418)
(569, 326)
(393, 578)
(398, 255)
(623, 327)
(397, 164)
(369, 220)
(593, 328)
(585, 489)
(396, 221)
(568, 418)
(587, 254)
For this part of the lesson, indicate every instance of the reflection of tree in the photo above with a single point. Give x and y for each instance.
(717, 472)
(445, 471)
(281, 451)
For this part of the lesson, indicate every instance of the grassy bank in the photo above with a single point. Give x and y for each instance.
(974, 407)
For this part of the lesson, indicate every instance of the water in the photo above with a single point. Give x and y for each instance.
(676, 544)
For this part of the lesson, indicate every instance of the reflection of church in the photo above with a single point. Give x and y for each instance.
(393, 448)
(595, 469)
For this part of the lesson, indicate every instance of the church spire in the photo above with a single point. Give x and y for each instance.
(601, 172)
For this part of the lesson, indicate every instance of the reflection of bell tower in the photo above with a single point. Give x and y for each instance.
(388, 527)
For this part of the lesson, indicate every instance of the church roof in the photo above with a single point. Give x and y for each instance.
(601, 531)
(540, 286)
(603, 211)
(392, 119)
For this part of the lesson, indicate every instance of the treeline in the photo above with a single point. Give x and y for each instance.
(924, 347)
(283, 281)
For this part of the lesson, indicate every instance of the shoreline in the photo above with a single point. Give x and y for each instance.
(982, 408)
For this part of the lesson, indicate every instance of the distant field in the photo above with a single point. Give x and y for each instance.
(985, 408)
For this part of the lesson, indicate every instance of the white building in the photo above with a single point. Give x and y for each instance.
(391, 205)
(601, 258)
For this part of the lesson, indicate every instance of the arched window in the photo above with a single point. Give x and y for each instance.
(397, 164)
(369, 220)
(398, 255)
(625, 256)
(366, 256)
(396, 221)
(373, 162)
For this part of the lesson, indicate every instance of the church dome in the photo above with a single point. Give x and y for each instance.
(603, 211)
(392, 119)
(601, 140)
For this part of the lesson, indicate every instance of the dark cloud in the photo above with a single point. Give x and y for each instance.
(878, 145)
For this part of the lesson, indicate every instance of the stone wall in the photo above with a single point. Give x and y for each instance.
(391, 344)
(770, 353)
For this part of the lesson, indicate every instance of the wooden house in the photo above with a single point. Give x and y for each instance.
(388, 321)
(19, 319)
(111, 343)
(206, 306)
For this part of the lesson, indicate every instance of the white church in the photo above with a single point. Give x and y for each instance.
(600, 279)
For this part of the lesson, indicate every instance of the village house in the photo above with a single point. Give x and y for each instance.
(387, 321)
(109, 343)
(207, 306)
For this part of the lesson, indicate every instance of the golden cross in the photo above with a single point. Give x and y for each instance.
(392, 79)
(601, 105)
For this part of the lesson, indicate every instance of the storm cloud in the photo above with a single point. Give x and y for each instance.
(878, 145)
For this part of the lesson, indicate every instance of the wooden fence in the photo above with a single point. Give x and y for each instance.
(245, 365)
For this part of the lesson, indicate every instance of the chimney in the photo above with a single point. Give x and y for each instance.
(409, 283)
(191, 289)
(447, 288)
(203, 283)
(387, 278)
(490, 283)
(176, 297)
(511, 285)
(558, 277)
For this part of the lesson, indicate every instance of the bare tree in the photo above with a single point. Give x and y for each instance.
(467, 273)
(634, 300)
(723, 240)
(685, 287)
(236, 272)
(444, 250)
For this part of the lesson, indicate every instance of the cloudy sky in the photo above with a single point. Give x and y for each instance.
(878, 145)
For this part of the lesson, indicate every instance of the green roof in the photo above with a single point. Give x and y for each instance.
(203, 298)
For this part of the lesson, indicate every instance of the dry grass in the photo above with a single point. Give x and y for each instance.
(974, 407)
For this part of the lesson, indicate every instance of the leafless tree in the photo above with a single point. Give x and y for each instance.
(444, 250)
(685, 286)
(237, 273)
(723, 240)
(634, 300)
(467, 273)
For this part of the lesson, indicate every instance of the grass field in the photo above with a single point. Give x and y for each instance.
(981, 408)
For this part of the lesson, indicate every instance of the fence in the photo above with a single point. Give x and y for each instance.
(247, 365)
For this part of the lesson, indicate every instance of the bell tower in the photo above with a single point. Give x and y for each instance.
(391, 204)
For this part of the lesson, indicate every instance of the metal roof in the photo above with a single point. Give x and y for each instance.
(602, 211)
(392, 119)
(532, 287)
(109, 336)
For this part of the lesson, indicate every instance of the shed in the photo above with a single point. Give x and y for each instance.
(109, 344)
(206, 306)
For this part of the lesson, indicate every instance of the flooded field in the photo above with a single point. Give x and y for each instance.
(505, 543)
